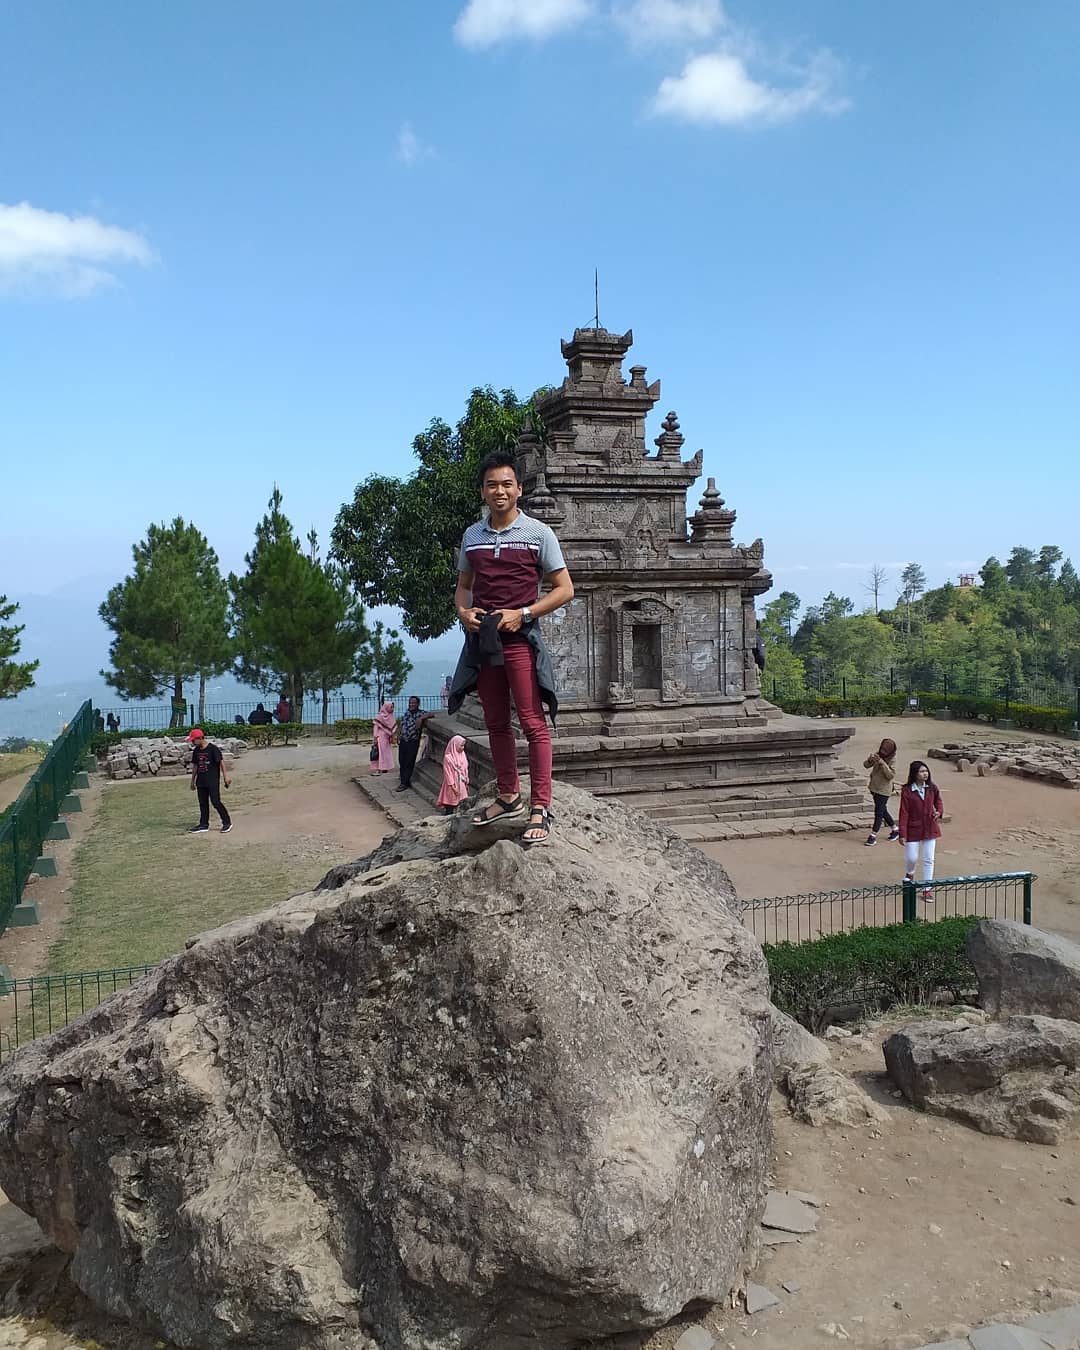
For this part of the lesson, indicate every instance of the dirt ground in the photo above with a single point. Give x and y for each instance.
(997, 824)
(294, 799)
(878, 1273)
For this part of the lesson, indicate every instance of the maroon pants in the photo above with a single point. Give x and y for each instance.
(495, 686)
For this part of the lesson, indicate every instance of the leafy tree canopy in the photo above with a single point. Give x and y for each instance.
(398, 538)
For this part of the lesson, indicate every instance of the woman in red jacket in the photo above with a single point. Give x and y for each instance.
(920, 811)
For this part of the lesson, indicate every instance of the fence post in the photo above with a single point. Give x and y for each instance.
(1027, 897)
(910, 907)
(1078, 706)
(892, 679)
(1008, 690)
(843, 687)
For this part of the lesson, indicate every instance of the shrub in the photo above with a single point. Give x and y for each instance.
(355, 729)
(809, 704)
(901, 963)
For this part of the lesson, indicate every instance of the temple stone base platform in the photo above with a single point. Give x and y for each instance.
(706, 783)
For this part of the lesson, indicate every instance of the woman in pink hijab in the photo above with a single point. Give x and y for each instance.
(455, 776)
(383, 729)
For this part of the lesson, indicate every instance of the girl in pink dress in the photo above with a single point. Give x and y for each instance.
(383, 729)
(455, 776)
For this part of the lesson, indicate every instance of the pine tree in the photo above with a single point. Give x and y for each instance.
(15, 676)
(286, 611)
(168, 617)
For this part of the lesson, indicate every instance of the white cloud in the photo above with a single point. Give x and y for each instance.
(648, 22)
(718, 89)
(68, 256)
(410, 148)
(482, 23)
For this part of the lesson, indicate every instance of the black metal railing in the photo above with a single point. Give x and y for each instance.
(147, 717)
(801, 918)
(26, 823)
(42, 1003)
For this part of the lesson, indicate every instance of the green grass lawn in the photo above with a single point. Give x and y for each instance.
(142, 886)
(19, 762)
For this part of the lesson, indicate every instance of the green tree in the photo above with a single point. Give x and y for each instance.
(995, 579)
(398, 538)
(168, 617)
(286, 611)
(778, 618)
(1020, 568)
(382, 666)
(15, 676)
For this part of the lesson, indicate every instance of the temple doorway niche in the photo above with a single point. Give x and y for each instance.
(647, 658)
(643, 656)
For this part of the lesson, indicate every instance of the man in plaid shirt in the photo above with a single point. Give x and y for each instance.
(410, 729)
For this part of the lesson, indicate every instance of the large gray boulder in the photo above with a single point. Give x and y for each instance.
(1024, 970)
(1019, 1077)
(448, 1099)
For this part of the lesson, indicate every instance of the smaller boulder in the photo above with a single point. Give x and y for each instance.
(1024, 970)
(1019, 1078)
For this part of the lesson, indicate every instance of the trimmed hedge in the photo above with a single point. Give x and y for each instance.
(272, 733)
(1026, 715)
(901, 963)
(355, 729)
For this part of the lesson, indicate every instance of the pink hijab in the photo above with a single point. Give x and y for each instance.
(385, 718)
(455, 763)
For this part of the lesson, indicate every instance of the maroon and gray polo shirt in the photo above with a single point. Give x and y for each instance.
(509, 564)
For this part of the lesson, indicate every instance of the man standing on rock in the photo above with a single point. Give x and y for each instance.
(208, 772)
(502, 560)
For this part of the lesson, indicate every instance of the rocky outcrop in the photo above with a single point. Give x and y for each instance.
(1019, 1077)
(1024, 970)
(451, 1098)
(161, 756)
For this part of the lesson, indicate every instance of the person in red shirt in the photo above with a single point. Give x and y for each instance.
(921, 810)
(501, 563)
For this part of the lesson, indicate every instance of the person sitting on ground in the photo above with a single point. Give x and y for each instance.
(920, 811)
(260, 717)
(455, 776)
(208, 772)
(882, 771)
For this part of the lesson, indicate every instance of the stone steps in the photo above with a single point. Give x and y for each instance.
(722, 830)
(760, 812)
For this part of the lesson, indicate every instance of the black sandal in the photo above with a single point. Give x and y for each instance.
(543, 826)
(503, 809)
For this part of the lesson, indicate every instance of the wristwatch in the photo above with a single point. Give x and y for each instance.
(526, 614)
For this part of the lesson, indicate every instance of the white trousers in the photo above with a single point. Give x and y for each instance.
(916, 850)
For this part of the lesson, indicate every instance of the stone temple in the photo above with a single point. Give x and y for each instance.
(660, 697)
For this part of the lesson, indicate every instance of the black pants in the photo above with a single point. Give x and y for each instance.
(406, 754)
(881, 812)
(209, 791)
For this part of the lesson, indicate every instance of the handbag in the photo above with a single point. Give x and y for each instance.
(374, 752)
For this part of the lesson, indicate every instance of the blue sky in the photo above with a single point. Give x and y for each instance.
(263, 242)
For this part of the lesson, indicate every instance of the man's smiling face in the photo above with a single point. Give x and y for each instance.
(501, 490)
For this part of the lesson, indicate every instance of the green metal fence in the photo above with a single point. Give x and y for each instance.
(801, 918)
(26, 823)
(33, 1007)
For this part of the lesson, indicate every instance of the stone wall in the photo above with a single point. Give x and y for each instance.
(161, 756)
